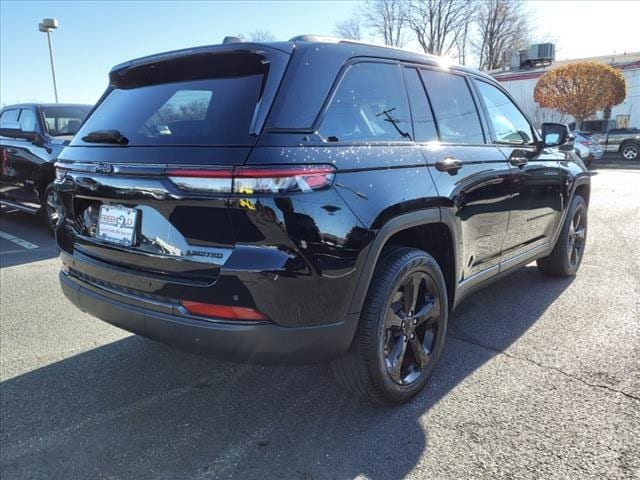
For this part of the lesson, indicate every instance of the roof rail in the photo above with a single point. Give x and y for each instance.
(315, 38)
(231, 39)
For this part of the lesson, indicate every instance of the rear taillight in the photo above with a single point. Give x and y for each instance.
(255, 180)
(202, 180)
(225, 312)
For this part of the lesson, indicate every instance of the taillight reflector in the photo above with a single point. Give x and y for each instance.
(226, 312)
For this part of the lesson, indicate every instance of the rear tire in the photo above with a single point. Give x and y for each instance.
(566, 256)
(401, 331)
(630, 151)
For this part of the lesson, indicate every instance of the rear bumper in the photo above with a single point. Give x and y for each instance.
(261, 343)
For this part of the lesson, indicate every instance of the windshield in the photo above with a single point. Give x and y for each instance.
(64, 120)
(212, 111)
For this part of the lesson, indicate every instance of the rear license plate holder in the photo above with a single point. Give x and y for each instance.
(118, 224)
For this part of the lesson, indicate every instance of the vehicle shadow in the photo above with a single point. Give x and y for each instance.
(137, 409)
(24, 227)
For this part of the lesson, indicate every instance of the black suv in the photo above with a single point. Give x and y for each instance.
(32, 135)
(310, 200)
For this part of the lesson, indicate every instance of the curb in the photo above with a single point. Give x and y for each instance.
(619, 166)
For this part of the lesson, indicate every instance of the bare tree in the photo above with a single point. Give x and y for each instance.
(439, 25)
(540, 115)
(349, 28)
(462, 39)
(387, 19)
(501, 27)
(258, 36)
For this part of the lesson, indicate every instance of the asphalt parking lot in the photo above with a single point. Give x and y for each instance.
(540, 379)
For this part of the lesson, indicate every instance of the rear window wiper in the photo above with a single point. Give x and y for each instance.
(106, 136)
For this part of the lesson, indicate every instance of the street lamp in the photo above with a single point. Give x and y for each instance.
(47, 26)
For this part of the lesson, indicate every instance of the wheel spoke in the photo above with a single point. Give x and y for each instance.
(396, 357)
(428, 313)
(395, 316)
(411, 288)
(420, 353)
(581, 233)
(576, 222)
(574, 255)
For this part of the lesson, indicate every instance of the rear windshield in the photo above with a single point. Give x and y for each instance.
(64, 120)
(211, 111)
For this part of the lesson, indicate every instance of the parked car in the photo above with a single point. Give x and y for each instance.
(310, 200)
(625, 141)
(587, 148)
(31, 137)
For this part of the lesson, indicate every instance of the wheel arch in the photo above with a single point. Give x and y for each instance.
(423, 229)
(582, 187)
(624, 143)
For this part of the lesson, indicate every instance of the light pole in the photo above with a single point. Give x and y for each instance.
(47, 26)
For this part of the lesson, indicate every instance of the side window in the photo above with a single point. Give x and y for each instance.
(370, 104)
(27, 120)
(9, 118)
(453, 107)
(509, 124)
(423, 125)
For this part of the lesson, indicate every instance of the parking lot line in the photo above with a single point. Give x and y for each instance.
(18, 241)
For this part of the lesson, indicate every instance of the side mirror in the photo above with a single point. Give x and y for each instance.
(557, 135)
(13, 130)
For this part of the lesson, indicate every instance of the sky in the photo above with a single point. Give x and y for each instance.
(93, 36)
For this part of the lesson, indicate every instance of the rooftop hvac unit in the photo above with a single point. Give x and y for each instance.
(542, 52)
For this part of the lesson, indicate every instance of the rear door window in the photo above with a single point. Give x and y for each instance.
(369, 105)
(209, 112)
(453, 107)
(423, 124)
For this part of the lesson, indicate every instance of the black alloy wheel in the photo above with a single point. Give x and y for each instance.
(566, 256)
(402, 328)
(577, 237)
(411, 328)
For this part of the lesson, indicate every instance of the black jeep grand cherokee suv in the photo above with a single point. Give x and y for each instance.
(310, 200)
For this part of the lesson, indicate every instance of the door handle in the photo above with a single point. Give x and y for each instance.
(518, 161)
(449, 164)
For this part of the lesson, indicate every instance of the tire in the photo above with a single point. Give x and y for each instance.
(566, 256)
(51, 208)
(387, 332)
(630, 151)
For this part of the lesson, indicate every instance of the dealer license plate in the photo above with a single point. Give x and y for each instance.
(117, 224)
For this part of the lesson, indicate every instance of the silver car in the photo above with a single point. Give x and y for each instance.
(587, 148)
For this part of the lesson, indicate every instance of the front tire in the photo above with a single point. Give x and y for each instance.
(566, 256)
(401, 331)
(52, 208)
